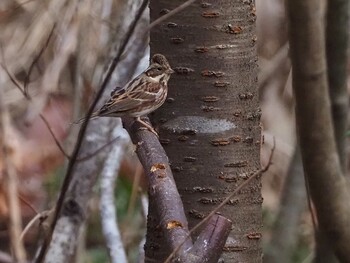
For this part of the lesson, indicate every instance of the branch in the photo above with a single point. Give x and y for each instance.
(35, 61)
(170, 14)
(162, 186)
(273, 67)
(23, 90)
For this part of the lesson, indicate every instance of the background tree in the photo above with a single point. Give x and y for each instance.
(313, 82)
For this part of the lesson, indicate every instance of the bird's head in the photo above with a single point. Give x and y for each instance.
(159, 68)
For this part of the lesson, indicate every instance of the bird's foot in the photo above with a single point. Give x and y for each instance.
(147, 126)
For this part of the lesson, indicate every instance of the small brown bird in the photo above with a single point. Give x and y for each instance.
(141, 96)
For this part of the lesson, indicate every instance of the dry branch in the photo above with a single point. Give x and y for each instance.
(162, 188)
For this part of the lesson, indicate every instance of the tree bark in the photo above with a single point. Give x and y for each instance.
(337, 45)
(210, 123)
(328, 187)
(337, 59)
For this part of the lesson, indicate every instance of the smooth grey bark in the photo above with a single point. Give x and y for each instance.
(337, 28)
(328, 186)
(210, 124)
(337, 50)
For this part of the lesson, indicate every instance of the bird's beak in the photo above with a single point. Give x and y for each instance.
(170, 71)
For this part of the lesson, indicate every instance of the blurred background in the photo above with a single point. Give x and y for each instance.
(53, 55)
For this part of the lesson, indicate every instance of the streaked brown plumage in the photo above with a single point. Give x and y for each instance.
(142, 95)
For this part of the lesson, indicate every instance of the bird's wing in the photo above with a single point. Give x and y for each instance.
(124, 101)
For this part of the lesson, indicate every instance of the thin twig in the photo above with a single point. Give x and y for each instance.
(90, 155)
(53, 135)
(29, 98)
(27, 203)
(170, 14)
(36, 59)
(310, 206)
(227, 199)
(29, 225)
(42, 216)
(274, 64)
(13, 80)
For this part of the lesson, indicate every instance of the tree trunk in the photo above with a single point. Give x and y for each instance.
(322, 166)
(210, 123)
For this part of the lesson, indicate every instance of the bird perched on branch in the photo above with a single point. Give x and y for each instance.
(141, 96)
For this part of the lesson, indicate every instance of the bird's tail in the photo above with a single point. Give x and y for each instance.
(82, 120)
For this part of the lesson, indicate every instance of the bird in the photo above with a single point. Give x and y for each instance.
(140, 96)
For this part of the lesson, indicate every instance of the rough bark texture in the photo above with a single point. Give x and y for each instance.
(315, 126)
(210, 125)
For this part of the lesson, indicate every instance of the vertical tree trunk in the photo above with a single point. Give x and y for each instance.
(210, 123)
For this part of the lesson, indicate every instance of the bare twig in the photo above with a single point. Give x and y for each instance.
(11, 184)
(90, 155)
(41, 217)
(27, 203)
(170, 14)
(274, 64)
(29, 225)
(224, 202)
(54, 136)
(42, 117)
(36, 59)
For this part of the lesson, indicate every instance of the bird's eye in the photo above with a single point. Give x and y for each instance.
(159, 68)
